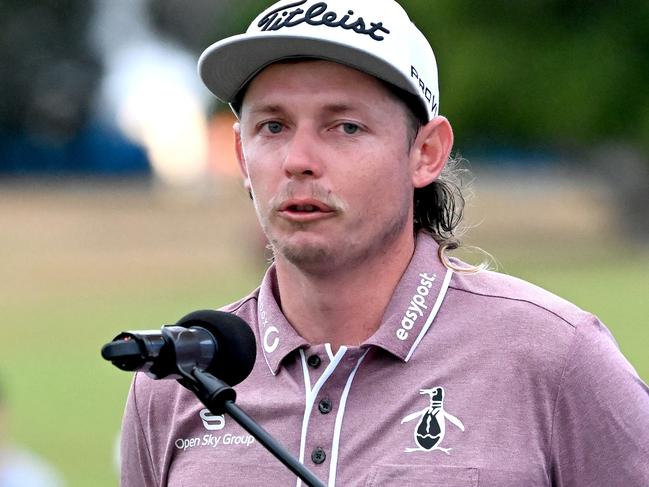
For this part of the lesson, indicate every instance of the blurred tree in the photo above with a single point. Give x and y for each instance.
(201, 22)
(48, 72)
(49, 75)
(550, 72)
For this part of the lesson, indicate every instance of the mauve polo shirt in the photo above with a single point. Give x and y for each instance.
(471, 380)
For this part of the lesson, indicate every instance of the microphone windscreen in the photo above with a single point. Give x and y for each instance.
(237, 348)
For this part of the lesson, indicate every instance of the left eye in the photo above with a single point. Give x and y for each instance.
(350, 128)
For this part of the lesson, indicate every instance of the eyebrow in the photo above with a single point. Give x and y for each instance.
(333, 108)
(265, 109)
(337, 108)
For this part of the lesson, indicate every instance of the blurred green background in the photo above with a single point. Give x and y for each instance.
(103, 230)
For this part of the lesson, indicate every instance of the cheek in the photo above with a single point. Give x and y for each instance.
(379, 191)
(382, 172)
(255, 181)
(260, 168)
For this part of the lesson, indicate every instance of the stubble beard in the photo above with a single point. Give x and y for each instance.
(347, 254)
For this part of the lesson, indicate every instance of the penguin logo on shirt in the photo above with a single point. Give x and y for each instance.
(431, 427)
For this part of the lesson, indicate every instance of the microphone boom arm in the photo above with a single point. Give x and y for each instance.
(219, 397)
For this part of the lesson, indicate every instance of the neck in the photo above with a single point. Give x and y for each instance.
(343, 306)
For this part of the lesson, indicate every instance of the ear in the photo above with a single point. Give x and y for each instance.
(430, 151)
(241, 158)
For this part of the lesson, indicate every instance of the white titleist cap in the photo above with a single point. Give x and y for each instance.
(373, 36)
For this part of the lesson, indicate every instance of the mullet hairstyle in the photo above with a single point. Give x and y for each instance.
(438, 207)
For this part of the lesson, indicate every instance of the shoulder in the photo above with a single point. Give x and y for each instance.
(245, 308)
(508, 294)
(528, 324)
(539, 325)
(540, 331)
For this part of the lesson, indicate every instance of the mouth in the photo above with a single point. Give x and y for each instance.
(305, 210)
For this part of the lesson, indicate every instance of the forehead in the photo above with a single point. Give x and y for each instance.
(309, 80)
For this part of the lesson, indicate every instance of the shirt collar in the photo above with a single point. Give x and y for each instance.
(412, 308)
(278, 337)
(415, 301)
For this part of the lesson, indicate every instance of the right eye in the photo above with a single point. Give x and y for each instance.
(274, 127)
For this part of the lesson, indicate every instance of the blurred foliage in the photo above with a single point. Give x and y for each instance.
(542, 71)
(48, 71)
(50, 77)
(554, 73)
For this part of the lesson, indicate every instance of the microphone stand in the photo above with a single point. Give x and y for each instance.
(219, 397)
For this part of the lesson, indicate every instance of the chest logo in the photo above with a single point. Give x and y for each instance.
(431, 427)
(212, 422)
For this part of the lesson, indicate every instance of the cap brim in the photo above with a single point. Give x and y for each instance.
(228, 65)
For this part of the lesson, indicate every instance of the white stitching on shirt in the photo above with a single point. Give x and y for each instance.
(339, 422)
(433, 313)
(305, 371)
(329, 352)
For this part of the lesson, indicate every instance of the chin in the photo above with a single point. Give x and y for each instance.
(308, 252)
(307, 256)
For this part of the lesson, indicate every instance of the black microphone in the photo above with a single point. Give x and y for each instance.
(208, 352)
(216, 342)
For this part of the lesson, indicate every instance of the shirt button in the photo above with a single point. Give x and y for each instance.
(325, 406)
(314, 361)
(318, 456)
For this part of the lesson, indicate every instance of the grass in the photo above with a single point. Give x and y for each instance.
(80, 266)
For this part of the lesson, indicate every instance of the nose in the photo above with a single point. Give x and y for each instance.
(302, 158)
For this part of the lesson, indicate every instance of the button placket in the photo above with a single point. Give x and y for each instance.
(321, 427)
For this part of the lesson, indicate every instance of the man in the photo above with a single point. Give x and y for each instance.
(382, 361)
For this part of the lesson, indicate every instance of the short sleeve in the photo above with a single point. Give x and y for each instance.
(136, 463)
(600, 433)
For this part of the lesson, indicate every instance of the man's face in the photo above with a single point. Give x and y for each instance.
(324, 150)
